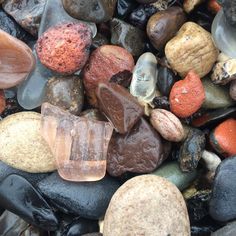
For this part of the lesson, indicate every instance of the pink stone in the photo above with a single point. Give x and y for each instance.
(78, 144)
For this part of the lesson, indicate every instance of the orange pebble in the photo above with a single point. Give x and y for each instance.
(187, 95)
(213, 6)
(2, 101)
(223, 138)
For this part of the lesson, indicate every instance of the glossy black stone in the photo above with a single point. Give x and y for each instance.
(161, 102)
(124, 7)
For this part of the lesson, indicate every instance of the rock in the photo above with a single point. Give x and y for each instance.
(2, 101)
(161, 102)
(229, 8)
(232, 91)
(27, 14)
(14, 67)
(97, 11)
(213, 6)
(22, 146)
(163, 26)
(172, 172)
(191, 150)
(85, 199)
(21, 198)
(143, 83)
(216, 96)
(167, 124)
(223, 198)
(92, 234)
(191, 49)
(78, 144)
(32, 230)
(211, 160)
(119, 106)
(127, 36)
(146, 1)
(99, 40)
(187, 95)
(147, 205)
(124, 7)
(189, 5)
(66, 93)
(228, 230)
(93, 114)
(223, 138)
(64, 48)
(104, 63)
(124, 156)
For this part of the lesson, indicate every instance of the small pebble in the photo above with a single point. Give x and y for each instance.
(211, 160)
(189, 5)
(2, 101)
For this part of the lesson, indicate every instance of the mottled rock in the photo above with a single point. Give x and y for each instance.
(147, 205)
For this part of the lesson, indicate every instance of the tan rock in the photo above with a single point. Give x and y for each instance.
(189, 5)
(147, 205)
(22, 145)
(191, 49)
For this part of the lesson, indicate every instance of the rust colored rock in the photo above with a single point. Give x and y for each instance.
(64, 48)
(2, 101)
(119, 106)
(187, 95)
(17, 61)
(139, 151)
(104, 63)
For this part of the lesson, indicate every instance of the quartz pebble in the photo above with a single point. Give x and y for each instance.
(147, 205)
(17, 61)
(191, 49)
(2, 101)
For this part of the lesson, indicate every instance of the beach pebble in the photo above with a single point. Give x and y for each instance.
(228, 230)
(189, 5)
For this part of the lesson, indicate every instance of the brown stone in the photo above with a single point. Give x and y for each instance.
(2, 101)
(104, 63)
(119, 106)
(17, 61)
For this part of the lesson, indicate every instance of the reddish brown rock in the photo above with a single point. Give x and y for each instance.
(17, 61)
(2, 101)
(104, 63)
(119, 106)
(64, 48)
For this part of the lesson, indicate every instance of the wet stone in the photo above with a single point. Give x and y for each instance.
(85, 199)
(21, 198)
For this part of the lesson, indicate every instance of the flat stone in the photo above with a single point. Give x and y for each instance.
(14, 67)
(22, 146)
(85, 199)
(147, 205)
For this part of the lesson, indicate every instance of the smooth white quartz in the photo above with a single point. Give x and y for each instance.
(224, 35)
(144, 79)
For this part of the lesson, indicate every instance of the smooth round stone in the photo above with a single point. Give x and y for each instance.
(224, 35)
(228, 230)
(147, 205)
(22, 146)
(172, 172)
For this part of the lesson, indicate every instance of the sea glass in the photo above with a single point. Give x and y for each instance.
(79, 144)
(224, 35)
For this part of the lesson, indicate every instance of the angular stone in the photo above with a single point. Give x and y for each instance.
(144, 79)
(119, 106)
(96, 11)
(84, 199)
(21, 198)
(17, 61)
(78, 144)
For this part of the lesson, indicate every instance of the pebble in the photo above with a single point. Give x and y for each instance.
(191, 49)
(172, 172)
(163, 26)
(223, 138)
(223, 199)
(232, 91)
(97, 11)
(22, 146)
(99, 40)
(191, 150)
(124, 7)
(161, 102)
(213, 6)
(21, 198)
(229, 8)
(187, 95)
(64, 48)
(124, 156)
(66, 92)
(147, 205)
(104, 63)
(85, 199)
(228, 230)
(190, 5)
(211, 160)
(2, 101)
(167, 124)
(26, 14)
(127, 36)
(15, 67)
(119, 106)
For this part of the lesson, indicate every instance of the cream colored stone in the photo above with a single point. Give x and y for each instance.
(189, 5)
(21, 143)
(147, 205)
(191, 49)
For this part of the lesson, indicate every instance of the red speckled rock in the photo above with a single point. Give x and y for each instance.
(105, 62)
(2, 101)
(64, 48)
(187, 95)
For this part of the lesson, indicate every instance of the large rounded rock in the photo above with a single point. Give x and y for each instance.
(22, 145)
(147, 205)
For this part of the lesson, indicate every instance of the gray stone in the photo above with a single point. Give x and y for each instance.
(228, 230)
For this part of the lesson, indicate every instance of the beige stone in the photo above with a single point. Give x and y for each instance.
(22, 145)
(189, 5)
(147, 205)
(191, 49)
